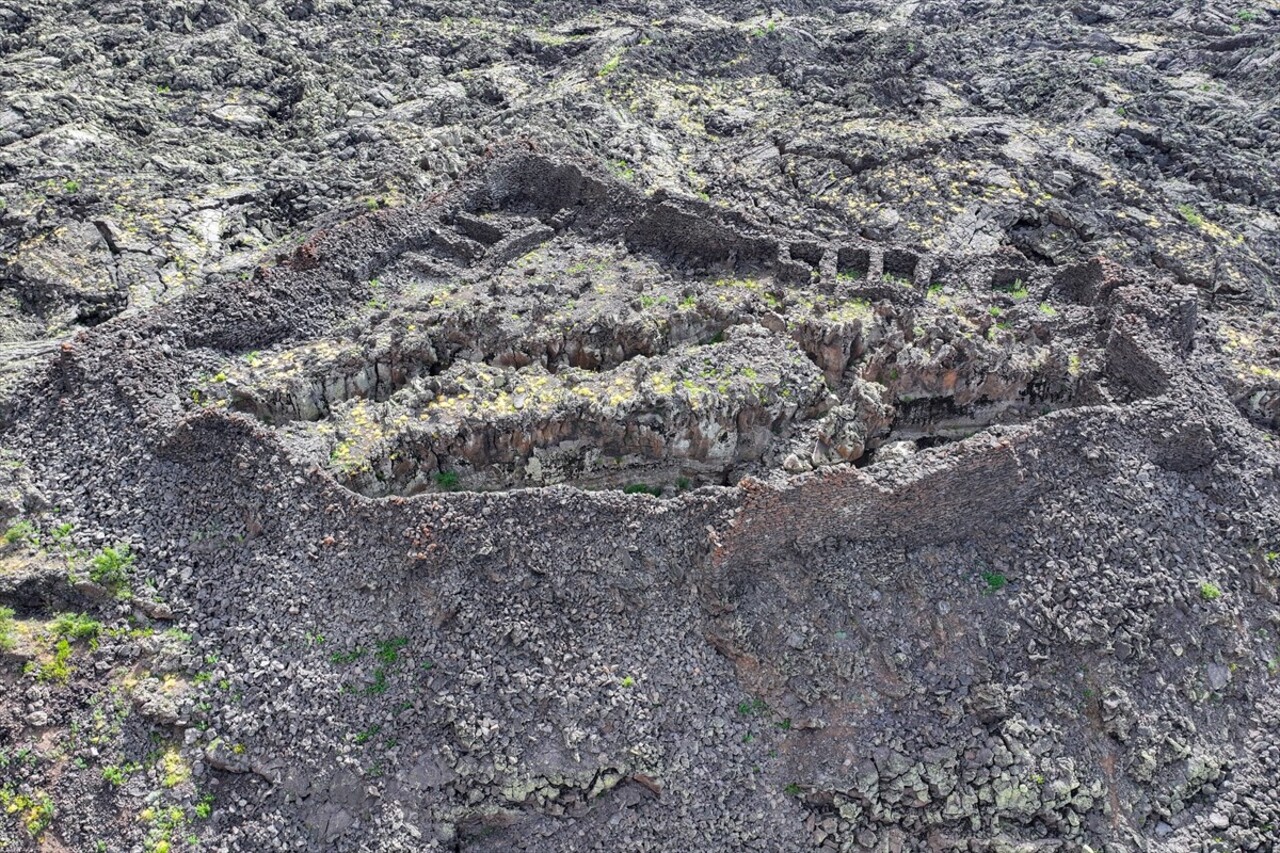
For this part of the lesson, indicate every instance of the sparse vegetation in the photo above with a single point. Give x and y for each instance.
(75, 627)
(204, 808)
(610, 65)
(118, 774)
(173, 767)
(343, 658)
(23, 532)
(165, 824)
(1191, 215)
(623, 170)
(61, 536)
(56, 669)
(7, 639)
(389, 650)
(34, 811)
(110, 567)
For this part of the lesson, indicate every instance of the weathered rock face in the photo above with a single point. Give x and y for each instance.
(600, 339)
(333, 337)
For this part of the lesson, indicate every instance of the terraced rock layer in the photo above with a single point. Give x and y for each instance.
(597, 338)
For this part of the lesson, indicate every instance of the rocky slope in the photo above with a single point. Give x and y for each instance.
(645, 427)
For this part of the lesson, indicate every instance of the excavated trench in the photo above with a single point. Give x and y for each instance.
(558, 329)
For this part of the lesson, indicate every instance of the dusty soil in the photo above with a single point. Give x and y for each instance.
(601, 426)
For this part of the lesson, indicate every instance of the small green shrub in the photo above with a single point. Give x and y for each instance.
(61, 535)
(111, 566)
(117, 774)
(22, 532)
(204, 808)
(76, 626)
(58, 669)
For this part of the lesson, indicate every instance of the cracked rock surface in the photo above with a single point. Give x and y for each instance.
(562, 427)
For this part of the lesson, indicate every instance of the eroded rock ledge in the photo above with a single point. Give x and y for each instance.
(547, 324)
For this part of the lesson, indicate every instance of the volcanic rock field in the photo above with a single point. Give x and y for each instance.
(566, 426)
